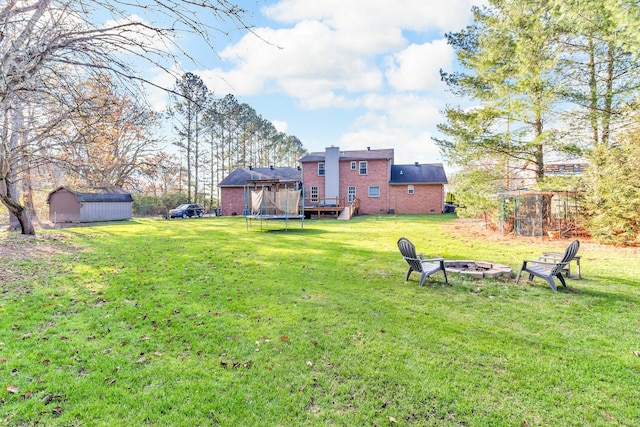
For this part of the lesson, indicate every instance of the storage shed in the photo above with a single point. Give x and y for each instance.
(91, 205)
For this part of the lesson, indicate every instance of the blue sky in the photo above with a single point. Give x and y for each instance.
(347, 73)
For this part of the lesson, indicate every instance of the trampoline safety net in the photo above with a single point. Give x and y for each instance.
(275, 203)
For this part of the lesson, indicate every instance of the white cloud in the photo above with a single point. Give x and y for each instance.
(329, 52)
(379, 59)
(280, 125)
(406, 109)
(401, 121)
(157, 95)
(409, 147)
(375, 16)
(307, 61)
(418, 66)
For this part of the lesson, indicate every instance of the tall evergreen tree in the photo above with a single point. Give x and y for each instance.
(188, 109)
(508, 54)
(597, 56)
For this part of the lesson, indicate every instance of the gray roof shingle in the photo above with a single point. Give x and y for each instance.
(98, 194)
(430, 173)
(240, 176)
(352, 155)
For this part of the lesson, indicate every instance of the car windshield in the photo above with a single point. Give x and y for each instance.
(185, 206)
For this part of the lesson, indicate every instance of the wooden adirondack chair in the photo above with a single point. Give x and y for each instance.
(549, 270)
(426, 267)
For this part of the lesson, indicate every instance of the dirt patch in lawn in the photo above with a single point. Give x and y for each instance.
(478, 229)
(22, 258)
(474, 229)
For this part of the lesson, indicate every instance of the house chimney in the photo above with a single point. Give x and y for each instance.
(271, 167)
(250, 167)
(417, 164)
(332, 172)
(368, 148)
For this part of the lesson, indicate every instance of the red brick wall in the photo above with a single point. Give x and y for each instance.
(377, 174)
(426, 199)
(232, 200)
(310, 178)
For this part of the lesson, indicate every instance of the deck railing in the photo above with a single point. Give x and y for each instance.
(325, 206)
(327, 203)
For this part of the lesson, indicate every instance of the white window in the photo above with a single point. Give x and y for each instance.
(353, 166)
(314, 193)
(321, 169)
(363, 168)
(374, 191)
(410, 189)
(351, 194)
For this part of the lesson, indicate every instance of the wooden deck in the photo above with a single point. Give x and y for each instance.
(329, 207)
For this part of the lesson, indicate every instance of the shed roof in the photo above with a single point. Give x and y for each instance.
(97, 194)
(240, 176)
(384, 154)
(429, 173)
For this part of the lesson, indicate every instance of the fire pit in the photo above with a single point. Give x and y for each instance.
(478, 269)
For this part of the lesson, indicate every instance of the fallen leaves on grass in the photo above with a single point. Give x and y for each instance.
(236, 365)
(13, 389)
(141, 360)
(50, 397)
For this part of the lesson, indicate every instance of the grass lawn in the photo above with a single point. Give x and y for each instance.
(203, 322)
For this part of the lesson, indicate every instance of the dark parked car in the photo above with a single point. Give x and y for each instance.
(187, 210)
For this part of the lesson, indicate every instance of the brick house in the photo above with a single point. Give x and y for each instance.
(341, 177)
(232, 188)
(565, 169)
(417, 188)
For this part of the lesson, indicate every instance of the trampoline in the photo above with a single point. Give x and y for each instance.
(264, 205)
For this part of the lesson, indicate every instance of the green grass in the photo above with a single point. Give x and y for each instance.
(203, 322)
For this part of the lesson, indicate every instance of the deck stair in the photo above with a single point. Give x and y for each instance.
(350, 210)
(346, 214)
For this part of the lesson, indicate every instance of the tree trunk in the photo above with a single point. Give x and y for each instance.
(8, 177)
(608, 97)
(189, 152)
(15, 208)
(27, 193)
(593, 94)
(539, 149)
(196, 159)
